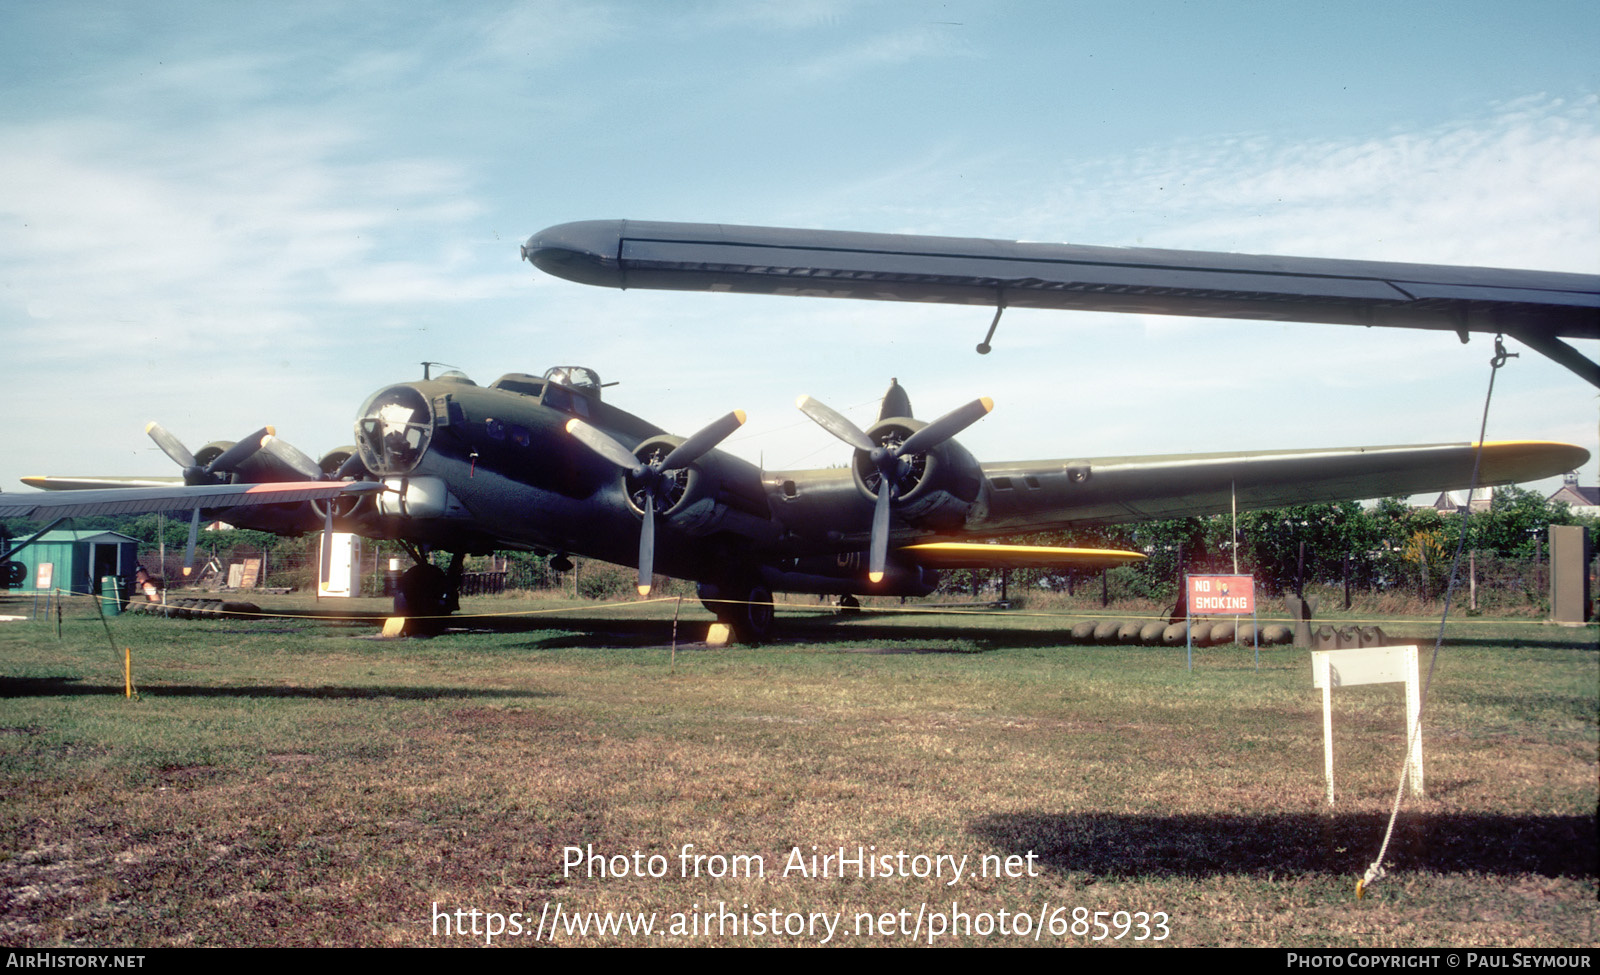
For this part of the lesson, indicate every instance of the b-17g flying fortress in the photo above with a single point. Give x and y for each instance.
(1213, 257)
(544, 463)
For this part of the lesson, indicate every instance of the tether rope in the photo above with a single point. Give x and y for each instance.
(1375, 868)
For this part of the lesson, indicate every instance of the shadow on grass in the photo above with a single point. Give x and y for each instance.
(73, 687)
(1575, 643)
(1119, 845)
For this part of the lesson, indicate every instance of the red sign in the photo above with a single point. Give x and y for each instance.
(1222, 595)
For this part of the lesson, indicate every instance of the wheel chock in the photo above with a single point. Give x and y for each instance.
(719, 635)
(395, 626)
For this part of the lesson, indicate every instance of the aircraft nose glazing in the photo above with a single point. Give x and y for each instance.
(394, 429)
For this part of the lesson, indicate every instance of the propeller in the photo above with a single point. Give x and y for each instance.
(654, 477)
(224, 463)
(195, 474)
(892, 460)
(292, 457)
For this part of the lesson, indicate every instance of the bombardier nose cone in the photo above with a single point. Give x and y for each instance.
(394, 429)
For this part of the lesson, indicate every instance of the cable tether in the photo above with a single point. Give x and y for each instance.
(1375, 869)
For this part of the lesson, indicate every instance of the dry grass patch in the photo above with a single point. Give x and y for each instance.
(300, 784)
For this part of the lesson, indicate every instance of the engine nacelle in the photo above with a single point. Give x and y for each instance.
(845, 573)
(346, 506)
(717, 492)
(938, 490)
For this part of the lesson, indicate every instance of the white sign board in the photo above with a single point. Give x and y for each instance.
(344, 566)
(1370, 665)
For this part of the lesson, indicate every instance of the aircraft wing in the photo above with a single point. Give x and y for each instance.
(1539, 308)
(977, 555)
(1031, 496)
(131, 500)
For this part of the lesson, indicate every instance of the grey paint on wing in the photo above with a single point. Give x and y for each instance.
(1539, 308)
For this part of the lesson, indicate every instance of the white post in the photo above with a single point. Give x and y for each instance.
(1413, 723)
(1325, 677)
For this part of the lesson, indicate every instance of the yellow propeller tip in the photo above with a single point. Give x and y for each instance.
(988, 404)
(740, 415)
(801, 401)
(874, 577)
(571, 424)
(644, 590)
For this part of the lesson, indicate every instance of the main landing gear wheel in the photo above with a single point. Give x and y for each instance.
(747, 610)
(849, 605)
(424, 596)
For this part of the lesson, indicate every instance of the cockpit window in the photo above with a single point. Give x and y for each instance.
(393, 430)
(578, 377)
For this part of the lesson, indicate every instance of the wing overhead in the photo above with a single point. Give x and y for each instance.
(133, 500)
(1038, 495)
(1540, 308)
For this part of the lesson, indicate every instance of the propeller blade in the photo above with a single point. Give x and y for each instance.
(880, 533)
(835, 423)
(604, 444)
(647, 545)
(327, 549)
(194, 536)
(293, 457)
(170, 445)
(946, 427)
(230, 459)
(712, 434)
(352, 467)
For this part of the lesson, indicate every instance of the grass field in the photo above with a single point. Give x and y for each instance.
(298, 782)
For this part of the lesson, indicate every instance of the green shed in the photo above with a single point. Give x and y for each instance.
(79, 559)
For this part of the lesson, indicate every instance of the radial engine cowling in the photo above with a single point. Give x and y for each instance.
(346, 459)
(936, 490)
(711, 494)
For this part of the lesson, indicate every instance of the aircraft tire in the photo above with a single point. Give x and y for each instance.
(752, 617)
(424, 592)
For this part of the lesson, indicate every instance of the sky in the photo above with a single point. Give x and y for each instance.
(221, 216)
